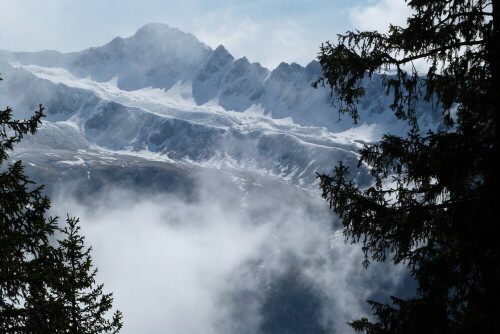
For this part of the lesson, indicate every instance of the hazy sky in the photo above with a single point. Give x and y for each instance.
(268, 31)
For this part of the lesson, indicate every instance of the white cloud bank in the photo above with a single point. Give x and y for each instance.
(269, 43)
(377, 15)
(206, 265)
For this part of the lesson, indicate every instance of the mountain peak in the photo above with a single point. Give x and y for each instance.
(155, 27)
(221, 49)
(221, 56)
(163, 33)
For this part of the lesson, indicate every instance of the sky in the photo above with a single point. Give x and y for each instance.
(265, 31)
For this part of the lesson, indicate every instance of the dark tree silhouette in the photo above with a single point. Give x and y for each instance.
(37, 276)
(26, 256)
(84, 303)
(432, 204)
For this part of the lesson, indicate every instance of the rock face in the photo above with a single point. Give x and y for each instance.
(149, 120)
(156, 56)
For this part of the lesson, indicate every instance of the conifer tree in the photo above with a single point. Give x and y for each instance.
(37, 277)
(84, 304)
(26, 256)
(433, 201)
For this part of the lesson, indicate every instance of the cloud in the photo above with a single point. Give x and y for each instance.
(209, 263)
(379, 14)
(271, 32)
(269, 43)
(265, 31)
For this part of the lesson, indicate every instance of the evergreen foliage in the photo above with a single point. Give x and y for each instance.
(84, 304)
(26, 256)
(44, 288)
(433, 201)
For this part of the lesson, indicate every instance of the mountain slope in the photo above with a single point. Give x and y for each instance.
(166, 122)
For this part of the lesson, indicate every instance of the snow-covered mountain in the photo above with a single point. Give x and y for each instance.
(154, 111)
(163, 91)
(158, 56)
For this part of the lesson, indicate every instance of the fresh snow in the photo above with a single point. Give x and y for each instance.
(178, 103)
(149, 96)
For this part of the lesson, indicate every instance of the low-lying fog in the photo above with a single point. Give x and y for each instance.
(236, 258)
